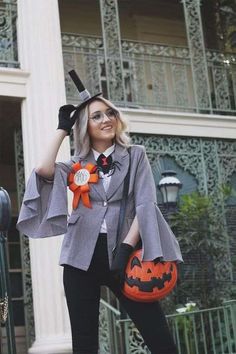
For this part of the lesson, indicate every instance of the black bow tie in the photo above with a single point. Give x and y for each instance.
(104, 163)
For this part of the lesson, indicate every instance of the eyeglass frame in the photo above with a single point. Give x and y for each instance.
(113, 116)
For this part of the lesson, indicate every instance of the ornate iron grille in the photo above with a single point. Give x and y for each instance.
(8, 35)
(25, 251)
(155, 76)
(212, 163)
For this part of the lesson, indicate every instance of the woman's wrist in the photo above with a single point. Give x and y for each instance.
(133, 236)
(61, 132)
(130, 243)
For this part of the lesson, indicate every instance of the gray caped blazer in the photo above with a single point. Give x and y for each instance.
(44, 211)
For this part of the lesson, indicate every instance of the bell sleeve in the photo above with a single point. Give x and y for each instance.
(157, 238)
(44, 208)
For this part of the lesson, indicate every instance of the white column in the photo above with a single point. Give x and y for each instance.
(40, 54)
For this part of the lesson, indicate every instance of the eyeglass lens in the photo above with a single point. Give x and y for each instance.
(99, 116)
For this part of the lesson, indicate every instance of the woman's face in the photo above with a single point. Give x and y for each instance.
(102, 122)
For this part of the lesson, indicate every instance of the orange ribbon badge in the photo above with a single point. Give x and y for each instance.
(79, 180)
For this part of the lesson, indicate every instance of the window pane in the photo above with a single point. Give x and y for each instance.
(14, 256)
(13, 233)
(18, 312)
(16, 285)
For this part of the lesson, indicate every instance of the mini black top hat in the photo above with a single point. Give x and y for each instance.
(83, 93)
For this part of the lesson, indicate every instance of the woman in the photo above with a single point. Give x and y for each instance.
(101, 145)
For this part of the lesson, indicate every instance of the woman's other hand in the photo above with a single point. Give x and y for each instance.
(67, 116)
(120, 262)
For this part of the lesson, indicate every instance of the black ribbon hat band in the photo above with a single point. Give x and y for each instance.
(83, 92)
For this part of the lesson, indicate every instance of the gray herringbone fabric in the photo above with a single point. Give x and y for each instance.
(44, 211)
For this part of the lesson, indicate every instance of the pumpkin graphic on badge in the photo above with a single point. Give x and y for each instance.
(148, 281)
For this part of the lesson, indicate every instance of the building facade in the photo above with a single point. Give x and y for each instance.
(163, 63)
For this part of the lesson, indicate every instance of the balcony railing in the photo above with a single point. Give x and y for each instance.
(155, 76)
(8, 34)
(209, 331)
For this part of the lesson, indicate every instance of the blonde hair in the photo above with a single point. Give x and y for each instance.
(82, 143)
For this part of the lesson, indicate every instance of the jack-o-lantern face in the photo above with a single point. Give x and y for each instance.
(148, 280)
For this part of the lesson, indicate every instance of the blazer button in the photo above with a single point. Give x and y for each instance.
(104, 203)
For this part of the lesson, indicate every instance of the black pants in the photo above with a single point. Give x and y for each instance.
(82, 289)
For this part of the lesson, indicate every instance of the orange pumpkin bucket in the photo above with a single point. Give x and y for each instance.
(148, 281)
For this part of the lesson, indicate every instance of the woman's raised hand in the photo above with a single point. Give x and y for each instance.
(67, 116)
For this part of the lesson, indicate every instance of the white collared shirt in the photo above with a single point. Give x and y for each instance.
(106, 178)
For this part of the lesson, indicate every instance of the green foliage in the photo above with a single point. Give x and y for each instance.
(201, 234)
(227, 191)
(196, 224)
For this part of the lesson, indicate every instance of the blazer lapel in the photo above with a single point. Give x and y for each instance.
(121, 156)
(98, 187)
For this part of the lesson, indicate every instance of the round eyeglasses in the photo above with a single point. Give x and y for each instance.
(98, 116)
